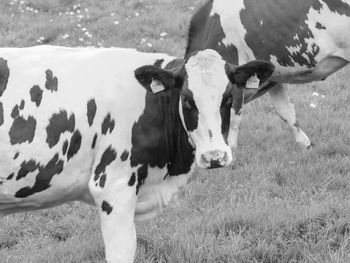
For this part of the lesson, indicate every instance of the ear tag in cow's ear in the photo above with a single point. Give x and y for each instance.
(253, 82)
(156, 86)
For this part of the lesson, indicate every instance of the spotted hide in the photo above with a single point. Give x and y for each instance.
(306, 40)
(115, 128)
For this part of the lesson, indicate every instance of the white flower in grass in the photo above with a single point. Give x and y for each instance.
(116, 22)
(65, 36)
(137, 14)
(149, 44)
(312, 105)
(323, 96)
(81, 39)
(315, 94)
(163, 34)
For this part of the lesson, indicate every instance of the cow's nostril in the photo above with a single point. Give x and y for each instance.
(214, 159)
(215, 164)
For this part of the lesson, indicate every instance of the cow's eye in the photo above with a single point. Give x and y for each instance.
(186, 104)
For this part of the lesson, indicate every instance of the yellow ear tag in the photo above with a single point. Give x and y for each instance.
(156, 86)
(253, 82)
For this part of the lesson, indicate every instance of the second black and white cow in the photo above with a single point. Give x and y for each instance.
(113, 127)
(306, 40)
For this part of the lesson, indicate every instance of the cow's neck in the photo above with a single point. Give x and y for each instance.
(158, 137)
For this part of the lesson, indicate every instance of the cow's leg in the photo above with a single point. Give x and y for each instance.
(325, 68)
(285, 109)
(235, 122)
(116, 202)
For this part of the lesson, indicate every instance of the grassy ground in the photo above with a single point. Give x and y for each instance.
(277, 204)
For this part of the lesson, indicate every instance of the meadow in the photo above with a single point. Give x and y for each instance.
(276, 203)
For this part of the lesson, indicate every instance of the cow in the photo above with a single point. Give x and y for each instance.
(112, 127)
(306, 40)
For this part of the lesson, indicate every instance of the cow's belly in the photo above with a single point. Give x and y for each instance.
(33, 176)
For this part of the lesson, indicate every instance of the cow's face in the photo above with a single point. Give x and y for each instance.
(209, 88)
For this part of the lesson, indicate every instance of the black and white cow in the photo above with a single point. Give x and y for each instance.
(306, 40)
(113, 127)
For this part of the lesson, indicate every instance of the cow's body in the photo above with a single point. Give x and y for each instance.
(84, 77)
(306, 40)
(112, 127)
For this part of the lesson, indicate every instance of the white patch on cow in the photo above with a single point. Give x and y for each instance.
(294, 49)
(334, 40)
(156, 193)
(234, 30)
(208, 81)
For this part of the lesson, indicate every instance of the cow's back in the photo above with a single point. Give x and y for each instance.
(287, 33)
(60, 108)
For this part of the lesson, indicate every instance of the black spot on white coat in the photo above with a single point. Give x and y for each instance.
(93, 144)
(102, 180)
(91, 111)
(107, 124)
(43, 178)
(124, 156)
(58, 124)
(26, 168)
(36, 95)
(106, 207)
(132, 180)
(74, 144)
(10, 176)
(22, 130)
(15, 112)
(64, 147)
(51, 81)
(107, 158)
(142, 173)
(21, 105)
(4, 75)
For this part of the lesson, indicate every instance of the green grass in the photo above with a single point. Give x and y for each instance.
(277, 204)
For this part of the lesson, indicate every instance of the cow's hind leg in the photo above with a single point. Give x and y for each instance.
(285, 109)
(116, 202)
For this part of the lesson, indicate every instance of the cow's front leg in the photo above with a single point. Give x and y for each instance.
(235, 122)
(116, 202)
(285, 109)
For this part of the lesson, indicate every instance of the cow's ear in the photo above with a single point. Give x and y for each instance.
(240, 74)
(155, 79)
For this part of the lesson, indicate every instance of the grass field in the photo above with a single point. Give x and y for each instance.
(277, 203)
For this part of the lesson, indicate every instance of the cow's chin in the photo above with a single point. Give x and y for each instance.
(214, 157)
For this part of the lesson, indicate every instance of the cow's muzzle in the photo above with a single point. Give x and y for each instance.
(214, 159)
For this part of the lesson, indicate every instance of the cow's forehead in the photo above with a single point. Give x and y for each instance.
(206, 74)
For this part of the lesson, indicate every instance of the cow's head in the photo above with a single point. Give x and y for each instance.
(209, 87)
